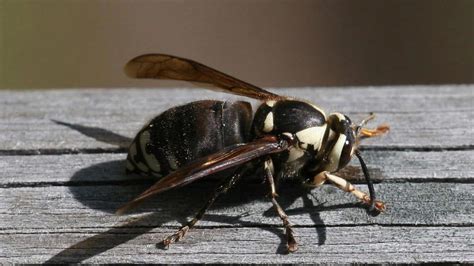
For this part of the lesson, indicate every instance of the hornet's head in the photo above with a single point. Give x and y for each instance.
(344, 139)
(341, 142)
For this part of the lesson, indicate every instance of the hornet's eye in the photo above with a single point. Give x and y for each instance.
(346, 151)
(341, 152)
(348, 119)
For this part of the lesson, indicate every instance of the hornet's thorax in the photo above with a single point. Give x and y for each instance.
(320, 142)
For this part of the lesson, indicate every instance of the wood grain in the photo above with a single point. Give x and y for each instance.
(109, 168)
(375, 244)
(62, 158)
(104, 119)
(94, 206)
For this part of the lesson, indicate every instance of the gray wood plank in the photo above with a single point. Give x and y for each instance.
(246, 205)
(420, 116)
(59, 207)
(76, 169)
(360, 244)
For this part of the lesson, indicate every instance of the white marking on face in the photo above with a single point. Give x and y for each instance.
(335, 154)
(312, 135)
(133, 153)
(268, 123)
(149, 158)
(340, 116)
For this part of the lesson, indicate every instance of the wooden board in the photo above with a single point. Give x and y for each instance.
(94, 206)
(97, 120)
(62, 159)
(377, 244)
(106, 168)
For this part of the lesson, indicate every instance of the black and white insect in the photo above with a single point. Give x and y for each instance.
(286, 138)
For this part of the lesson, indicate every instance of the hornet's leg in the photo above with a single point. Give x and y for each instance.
(348, 187)
(223, 188)
(291, 245)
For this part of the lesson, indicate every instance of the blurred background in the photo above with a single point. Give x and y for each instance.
(271, 43)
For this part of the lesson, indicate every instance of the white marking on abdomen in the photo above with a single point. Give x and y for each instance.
(133, 153)
(172, 161)
(149, 157)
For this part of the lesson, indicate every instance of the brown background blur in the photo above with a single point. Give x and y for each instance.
(66, 43)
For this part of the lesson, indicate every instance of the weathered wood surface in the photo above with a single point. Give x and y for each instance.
(452, 166)
(420, 116)
(62, 152)
(245, 245)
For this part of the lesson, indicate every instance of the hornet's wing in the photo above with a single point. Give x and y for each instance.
(161, 66)
(229, 157)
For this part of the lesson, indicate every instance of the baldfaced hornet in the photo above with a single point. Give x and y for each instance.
(287, 138)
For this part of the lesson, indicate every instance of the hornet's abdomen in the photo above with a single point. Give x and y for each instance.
(185, 133)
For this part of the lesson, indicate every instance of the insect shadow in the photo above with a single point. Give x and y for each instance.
(112, 188)
(105, 187)
(99, 134)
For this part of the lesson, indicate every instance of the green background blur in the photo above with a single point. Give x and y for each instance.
(67, 43)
